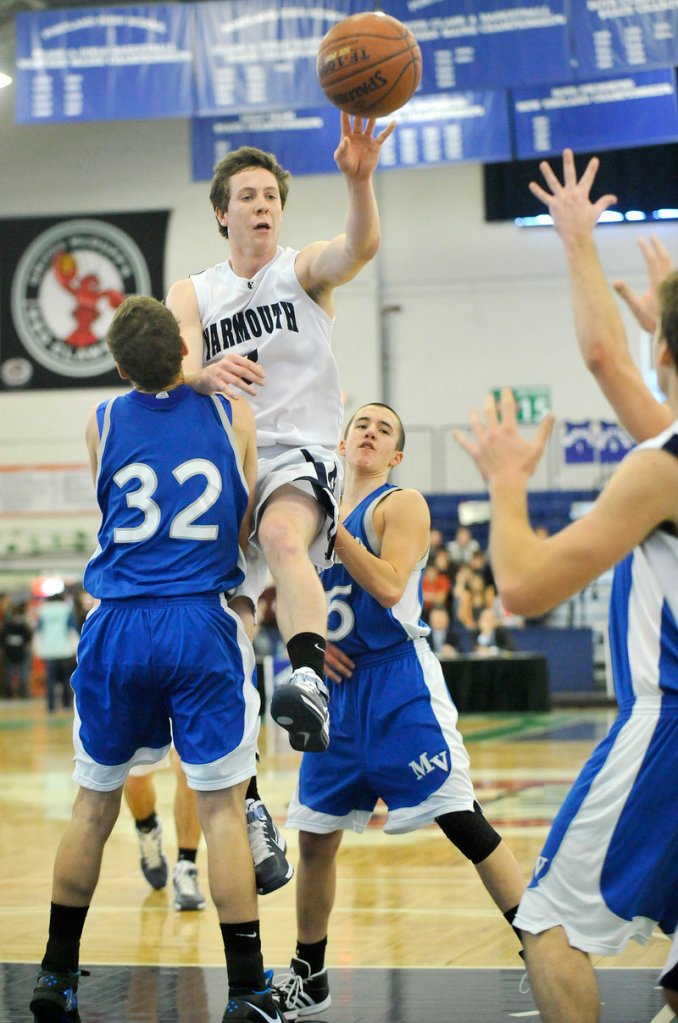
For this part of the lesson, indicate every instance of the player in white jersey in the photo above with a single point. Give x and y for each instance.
(393, 725)
(608, 871)
(600, 331)
(261, 322)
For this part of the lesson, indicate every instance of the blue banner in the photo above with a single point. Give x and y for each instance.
(431, 130)
(486, 44)
(260, 54)
(624, 35)
(636, 110)
(451, 128)
(303, 141)
(578, 442)
(104, 63)
(613, 442)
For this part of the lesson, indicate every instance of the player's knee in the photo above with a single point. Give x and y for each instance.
(470, 832)
(314, 847)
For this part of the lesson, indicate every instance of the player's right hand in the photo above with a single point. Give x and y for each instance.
(659, 264)
(338, 665)
(231, 371)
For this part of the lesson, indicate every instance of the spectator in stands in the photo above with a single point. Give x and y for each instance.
(443, 562)
(463, 546)
(56, 636)
(491, 637)
(16, 642)
(436, 543)
(436, 588)
(479, 562)
(474, 597)
(4, 607)
(443, 639)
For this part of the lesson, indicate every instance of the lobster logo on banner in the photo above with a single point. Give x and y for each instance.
(65, 290)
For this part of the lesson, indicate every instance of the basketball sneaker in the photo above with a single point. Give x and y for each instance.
(302, 993)
(153, 861)
(300, 707)
(55, 996)
(254, 1006)
(268, 845)
(187, 894)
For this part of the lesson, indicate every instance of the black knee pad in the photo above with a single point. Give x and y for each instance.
(669, 980)
(472, 834)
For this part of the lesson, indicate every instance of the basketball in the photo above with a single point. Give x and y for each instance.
(64, 264)
(369, 64)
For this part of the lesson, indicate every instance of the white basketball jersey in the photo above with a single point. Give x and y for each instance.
(271, 319)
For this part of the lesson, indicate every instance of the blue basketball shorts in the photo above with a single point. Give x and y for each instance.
(608, 871)
(156, 670)
(393, 736)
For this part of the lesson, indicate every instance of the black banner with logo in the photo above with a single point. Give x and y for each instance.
(61, 280)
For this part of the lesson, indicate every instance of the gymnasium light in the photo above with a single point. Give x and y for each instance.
(5, 80)
(541, 220)
(609, 217)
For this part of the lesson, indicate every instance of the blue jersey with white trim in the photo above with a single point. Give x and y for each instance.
(357, 623)
(644, 607)
(172, 495)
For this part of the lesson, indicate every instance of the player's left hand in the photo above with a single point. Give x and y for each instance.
(338, 665)
(499, 450)
(357, 154)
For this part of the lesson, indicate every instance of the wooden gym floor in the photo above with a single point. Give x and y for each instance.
(413, 937)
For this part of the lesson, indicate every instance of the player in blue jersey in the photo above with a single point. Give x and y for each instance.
(393, 726)
(608, 871)
(174, 471)
(604, 347)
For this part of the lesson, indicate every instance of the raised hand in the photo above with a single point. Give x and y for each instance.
(569, 202)
(358, 152)
(659, 264)
(499, 450)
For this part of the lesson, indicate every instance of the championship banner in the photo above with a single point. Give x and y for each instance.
(637, 109)
(449, 128)
(61, 280)
(487, 44)
(260, 54)
(624, 35)
(302, 140)
(431, 130)
(104, 63)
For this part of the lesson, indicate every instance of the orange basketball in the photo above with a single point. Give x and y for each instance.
(64, 264)
(369, 64)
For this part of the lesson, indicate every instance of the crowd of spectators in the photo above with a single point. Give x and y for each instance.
(460, 600)
(38, 638)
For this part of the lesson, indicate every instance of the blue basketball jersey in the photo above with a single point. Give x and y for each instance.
(644, 608)
(357, 623)
(172, 495)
